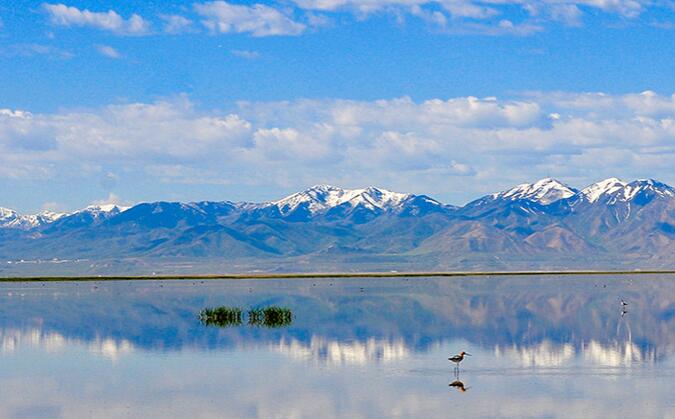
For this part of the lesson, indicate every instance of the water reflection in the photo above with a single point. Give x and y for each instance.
(12, 341)
(459, 385)
(544, 354)
(334, 352)
(420, 313)
(138, 349)
(548, 354)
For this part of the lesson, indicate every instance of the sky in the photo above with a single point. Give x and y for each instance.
(130, 101)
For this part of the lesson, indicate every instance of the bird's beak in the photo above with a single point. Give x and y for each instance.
(467, 354)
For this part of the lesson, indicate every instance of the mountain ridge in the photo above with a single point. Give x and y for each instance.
(541, 224)
(545, 191)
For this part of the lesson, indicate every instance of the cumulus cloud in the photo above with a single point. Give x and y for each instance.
(62, 15)
(257, 19)
(452, 148)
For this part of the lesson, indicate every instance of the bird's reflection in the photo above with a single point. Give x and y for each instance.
(457, 383)
(459, 386)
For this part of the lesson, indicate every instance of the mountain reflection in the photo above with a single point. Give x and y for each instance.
(533, 322)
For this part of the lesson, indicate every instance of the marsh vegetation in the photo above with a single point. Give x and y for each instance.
(271, 316)
(221, 316)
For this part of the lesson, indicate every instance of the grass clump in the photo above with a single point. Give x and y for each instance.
(221, 316)
(272, 316)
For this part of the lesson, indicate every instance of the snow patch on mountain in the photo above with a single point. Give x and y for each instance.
(544, 191)
(11, 219)
(8, 217)
(603, 188)
(104, 208)
(650, 185)
(614, 190)
(321, 198)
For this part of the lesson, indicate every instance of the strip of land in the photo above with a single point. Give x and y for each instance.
(323, 275)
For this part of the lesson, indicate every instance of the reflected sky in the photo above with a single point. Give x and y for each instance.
(542, 347)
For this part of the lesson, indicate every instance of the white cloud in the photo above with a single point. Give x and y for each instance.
(461, 8)
(257, 19)
(628, 8)
(493, 17)
(295, 17)
(63, 15)
(111, 199)
(569, 14)
(363, 6)
(108, 51)
(453, 148)
(175, 24)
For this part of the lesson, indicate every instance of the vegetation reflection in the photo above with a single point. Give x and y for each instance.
(270, 317)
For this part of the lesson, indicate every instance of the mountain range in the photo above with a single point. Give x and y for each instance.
(610, 224)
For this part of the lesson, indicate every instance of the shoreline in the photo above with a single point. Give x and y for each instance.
(310, 275)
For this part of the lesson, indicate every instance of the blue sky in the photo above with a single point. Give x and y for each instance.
(184, 100)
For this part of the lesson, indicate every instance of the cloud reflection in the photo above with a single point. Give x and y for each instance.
(334, 352)
(548, 354)
(544, 354)
(14, 340)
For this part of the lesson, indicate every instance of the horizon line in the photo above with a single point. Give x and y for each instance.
(319, 275)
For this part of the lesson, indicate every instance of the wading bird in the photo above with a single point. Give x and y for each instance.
(623, 303)
(458, 358)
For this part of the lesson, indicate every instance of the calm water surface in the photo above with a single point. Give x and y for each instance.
(542, 347)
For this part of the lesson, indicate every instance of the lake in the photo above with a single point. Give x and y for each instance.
(548, 346)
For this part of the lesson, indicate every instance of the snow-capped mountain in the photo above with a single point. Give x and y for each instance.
(612, 191)
(105, 210)
(353, 205)
(321, 198)
(544, 191)
(522, 201)
(607, 188)
(608, 224)
(11, 219)
(45, 217)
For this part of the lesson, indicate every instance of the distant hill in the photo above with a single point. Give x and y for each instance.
(544, 225)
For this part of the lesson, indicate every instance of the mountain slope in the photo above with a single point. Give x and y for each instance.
(608, 224)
